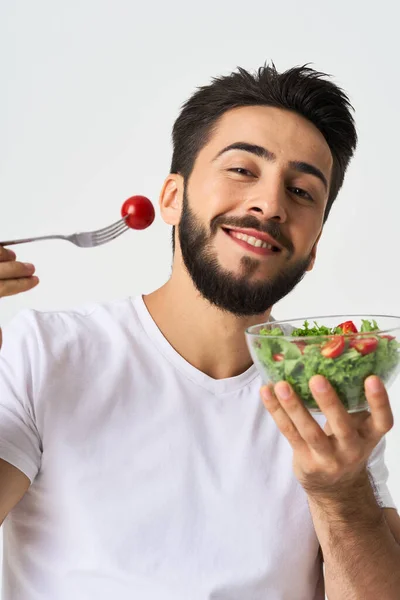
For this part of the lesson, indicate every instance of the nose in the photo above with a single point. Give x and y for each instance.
(269, 202)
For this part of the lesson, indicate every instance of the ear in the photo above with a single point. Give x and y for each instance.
(171, 197)
(314, 253)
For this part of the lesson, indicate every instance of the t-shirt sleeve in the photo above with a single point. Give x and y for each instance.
(379, 473)
(20, 443)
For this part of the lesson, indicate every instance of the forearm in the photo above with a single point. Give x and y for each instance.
(362, 558)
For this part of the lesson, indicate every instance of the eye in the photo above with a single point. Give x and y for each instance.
(241, 171)
(301, 193)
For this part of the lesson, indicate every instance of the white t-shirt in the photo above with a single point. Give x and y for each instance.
(150, 480)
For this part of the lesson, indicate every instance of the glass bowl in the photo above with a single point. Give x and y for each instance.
(295, 350)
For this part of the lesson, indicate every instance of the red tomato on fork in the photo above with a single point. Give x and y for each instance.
(139, 212)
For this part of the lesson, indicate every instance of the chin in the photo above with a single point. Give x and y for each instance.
(251, 271)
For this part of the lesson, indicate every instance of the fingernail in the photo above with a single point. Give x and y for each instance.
(282, 390)
(373, 385)
(319, 383)
(29, 266)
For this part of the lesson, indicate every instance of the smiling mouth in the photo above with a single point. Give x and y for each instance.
(252, 243)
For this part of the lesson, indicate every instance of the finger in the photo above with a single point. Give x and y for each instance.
(281, 418)
(6, 254)
(381, 414)
(15, 270)
(12, 287)
(305, 425)
(341, 424)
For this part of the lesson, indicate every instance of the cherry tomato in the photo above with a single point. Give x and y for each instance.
(139, 212)
(334, 348)
(388, 337)
(364, 345)
(278, 357)
(301, 346)
(348, 327)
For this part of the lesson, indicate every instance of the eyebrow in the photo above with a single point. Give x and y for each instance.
(261, 152)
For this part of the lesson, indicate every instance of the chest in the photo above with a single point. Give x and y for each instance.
(173, 484)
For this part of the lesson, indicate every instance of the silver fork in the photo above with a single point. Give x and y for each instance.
(87, 239)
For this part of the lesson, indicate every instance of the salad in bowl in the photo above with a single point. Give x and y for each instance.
(344, 349)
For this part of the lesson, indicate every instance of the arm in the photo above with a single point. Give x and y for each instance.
(13, 485)
(362, 557)
(15, 277)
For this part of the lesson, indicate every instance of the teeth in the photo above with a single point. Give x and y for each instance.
(250, 239)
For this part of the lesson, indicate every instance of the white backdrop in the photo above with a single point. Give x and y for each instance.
(90, 89)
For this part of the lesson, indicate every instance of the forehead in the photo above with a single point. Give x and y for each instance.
(288, 135)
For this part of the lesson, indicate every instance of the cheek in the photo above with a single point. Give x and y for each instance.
(305, 234)
(223, 198)
(212, 196)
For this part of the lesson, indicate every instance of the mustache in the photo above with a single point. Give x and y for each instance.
(271, 228)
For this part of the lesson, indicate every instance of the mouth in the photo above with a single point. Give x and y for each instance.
(254, 241)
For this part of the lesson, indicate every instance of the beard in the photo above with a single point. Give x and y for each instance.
(235, 294)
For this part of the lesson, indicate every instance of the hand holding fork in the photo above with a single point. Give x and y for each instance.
(16, 277)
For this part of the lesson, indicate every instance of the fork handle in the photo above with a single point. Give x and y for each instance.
(35, 239)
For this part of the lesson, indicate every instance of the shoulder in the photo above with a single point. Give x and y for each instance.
(34, 329)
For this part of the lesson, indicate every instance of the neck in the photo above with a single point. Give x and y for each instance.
(199, 331)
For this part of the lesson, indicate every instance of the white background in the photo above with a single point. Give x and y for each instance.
(89, 93)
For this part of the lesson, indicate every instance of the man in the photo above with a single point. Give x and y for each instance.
(137, 458)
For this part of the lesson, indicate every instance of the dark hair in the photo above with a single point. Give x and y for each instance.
(300, 89)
